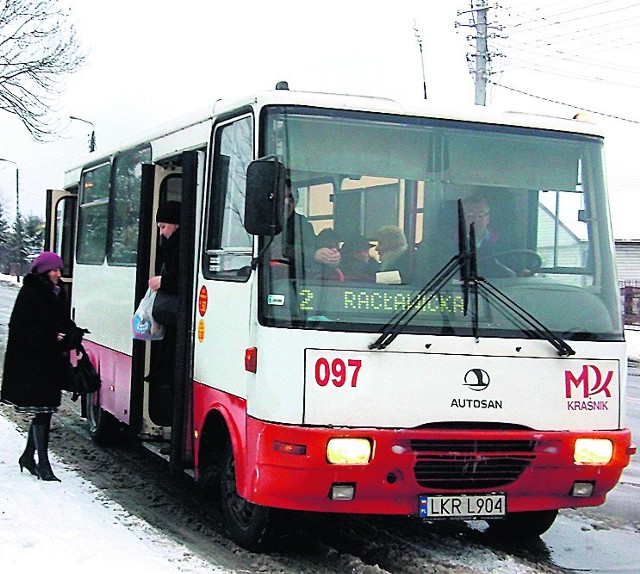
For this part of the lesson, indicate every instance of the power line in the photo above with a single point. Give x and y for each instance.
(545, 46)
(524, 65)
(597, 14)
(573, 44)
(573, 36)
(547, 21)
(556, 39)
(550, 100)
(551, 54)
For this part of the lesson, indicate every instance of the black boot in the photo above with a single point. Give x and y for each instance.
(26, 460)
(41, 437)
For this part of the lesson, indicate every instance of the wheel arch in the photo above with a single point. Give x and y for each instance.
(218, 428)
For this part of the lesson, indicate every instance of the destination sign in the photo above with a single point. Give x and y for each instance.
(375, 300)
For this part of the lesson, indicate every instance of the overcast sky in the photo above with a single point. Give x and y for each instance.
(150, 61)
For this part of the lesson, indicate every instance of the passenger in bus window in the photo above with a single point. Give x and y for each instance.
(394, 254)
(328, 239)
(356, 261)
(299, 244)
(36, 366)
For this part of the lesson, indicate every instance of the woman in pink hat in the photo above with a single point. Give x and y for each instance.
(36, 364)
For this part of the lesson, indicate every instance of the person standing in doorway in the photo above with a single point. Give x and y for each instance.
(168, 221)
(165, 312)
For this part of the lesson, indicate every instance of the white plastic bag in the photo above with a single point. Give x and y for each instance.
(143, 326)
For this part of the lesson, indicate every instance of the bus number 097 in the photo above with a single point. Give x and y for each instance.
(337, 372)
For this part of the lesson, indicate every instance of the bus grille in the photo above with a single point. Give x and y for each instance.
(470, 464)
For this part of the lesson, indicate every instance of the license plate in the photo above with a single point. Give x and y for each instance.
(462, 506)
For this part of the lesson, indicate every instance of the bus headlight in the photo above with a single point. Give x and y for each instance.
(349, 451)
(593, 451)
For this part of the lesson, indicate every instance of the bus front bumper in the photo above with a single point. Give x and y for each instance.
(288, 467)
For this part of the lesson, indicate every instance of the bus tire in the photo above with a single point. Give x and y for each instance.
(250, 525)
(523, 524)
(104, 428)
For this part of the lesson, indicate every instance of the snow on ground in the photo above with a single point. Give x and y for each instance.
(68, 526)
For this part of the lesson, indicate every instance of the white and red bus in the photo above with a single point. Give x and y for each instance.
(452, 392)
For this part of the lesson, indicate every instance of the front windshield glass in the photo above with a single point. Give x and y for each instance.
(371, 215)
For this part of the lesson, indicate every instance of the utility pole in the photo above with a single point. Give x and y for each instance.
(18, 223)
(17, 185)
(480, 60)
(481, 55)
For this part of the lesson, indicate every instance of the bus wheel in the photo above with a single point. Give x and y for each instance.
(523, 524)
(104, 428)
(250, 525)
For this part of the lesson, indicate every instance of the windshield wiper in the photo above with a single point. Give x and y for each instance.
(467, 262)
(500, 301)
(465, 259)
(473, 278)
(402, 318)
(458, 262)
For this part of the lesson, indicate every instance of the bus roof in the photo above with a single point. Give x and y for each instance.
(195, 127)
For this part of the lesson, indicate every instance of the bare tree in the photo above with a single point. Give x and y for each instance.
(38, 48)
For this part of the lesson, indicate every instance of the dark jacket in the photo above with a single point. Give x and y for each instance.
(358, 270)
(36, 364)
(296, 246)
(403, 264)
(169, 259)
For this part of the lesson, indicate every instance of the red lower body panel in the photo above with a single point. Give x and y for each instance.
(535, 469)
(407, 463)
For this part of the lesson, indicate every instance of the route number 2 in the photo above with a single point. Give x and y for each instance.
(337, 372)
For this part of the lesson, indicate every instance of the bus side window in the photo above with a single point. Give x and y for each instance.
(229, 246)
(93, 213)
(127, 168)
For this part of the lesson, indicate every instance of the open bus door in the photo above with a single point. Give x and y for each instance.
(148, 401)
(60, 231)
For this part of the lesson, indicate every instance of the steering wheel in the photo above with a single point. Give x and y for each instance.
(515, 262)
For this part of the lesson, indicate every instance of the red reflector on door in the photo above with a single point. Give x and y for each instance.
(251, 359)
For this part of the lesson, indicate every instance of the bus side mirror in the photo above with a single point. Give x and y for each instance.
(264, 202)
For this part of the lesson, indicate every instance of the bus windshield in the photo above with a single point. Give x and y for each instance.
(372, 214)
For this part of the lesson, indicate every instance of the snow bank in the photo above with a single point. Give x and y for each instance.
(71, 528)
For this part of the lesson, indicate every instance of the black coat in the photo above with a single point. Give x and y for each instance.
(298, 243)
(169, 262)
(36, 364)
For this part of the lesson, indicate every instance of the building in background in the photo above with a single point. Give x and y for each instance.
(628, 261)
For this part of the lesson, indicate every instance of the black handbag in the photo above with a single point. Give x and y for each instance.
(165, 308)
(83, 378)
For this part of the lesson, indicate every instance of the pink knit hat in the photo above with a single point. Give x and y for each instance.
(46, 261)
